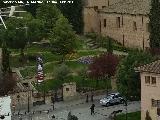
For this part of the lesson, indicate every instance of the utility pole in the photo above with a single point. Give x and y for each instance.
(28, 100)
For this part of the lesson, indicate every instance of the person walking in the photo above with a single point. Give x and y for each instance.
(92, 97)
(92, 109)
(53, 101)
(87, 98)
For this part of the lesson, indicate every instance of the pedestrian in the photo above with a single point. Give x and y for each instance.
(53, 104)
(92, 109)
(87, 98)
(53, 116)
(92, 97)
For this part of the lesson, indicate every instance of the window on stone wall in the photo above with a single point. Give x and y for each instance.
(134, 26)
(122, 20)
(147, 79)
(147, 27)
(158, 103)
(95, 7)
(153, 79)
(67, 89)
(104, 23)
(154, 103)
(103, 6)
(118, 22)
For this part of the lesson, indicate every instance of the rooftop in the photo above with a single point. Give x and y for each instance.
(141, 7)
(153, 67)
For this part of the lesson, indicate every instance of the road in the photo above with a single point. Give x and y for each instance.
(78, 108)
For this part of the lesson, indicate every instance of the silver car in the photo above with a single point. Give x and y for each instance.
(111, 99)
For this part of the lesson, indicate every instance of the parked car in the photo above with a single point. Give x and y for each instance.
(112, 99)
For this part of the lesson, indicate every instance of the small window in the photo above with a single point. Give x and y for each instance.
(67, 89)
(104, 23)
(154, 103)
(118, 22)
(122, 20)
(103, 6)
(95, 7)
(153, 80)
(134, 26)
(147, 79)
(158, 103)
(147, 27)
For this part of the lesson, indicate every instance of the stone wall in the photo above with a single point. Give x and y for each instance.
(69, 91)
(91, 20)
(91, 15)
(101, 3)
(129, 30)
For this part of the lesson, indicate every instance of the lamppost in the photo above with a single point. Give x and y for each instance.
(28, 100)
(126, 104)
(18, 97)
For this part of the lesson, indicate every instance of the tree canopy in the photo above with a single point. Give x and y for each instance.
(154, 24)
(49, 14)
(129, 80)
(104, 65)
(63, 37)
(73, 12)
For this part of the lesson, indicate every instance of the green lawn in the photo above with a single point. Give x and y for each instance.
(130, 116)
(48, 68)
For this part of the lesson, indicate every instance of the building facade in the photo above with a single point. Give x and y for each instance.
(126, 21)
(150, 87)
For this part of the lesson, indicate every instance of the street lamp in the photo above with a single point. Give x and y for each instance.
(18, 97)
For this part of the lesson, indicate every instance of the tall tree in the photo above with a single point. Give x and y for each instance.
(154, 24)
(35, 29)
(103, 67)
(76, 17)
(129, 80)
(63, 37)
(49, 14)
(15, 34)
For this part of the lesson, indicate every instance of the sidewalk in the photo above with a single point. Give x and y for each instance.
(60, 105)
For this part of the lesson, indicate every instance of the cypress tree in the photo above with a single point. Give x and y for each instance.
(73, 12)
(154, 24)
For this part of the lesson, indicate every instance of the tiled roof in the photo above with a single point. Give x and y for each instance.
(129, 7)
(153, 67)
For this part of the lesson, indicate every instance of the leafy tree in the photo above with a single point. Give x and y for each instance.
(154, 24)
(49, 14)
(103, 67)
(128, 79)
(15, 34)
(35, 27)
(61, 72)
(63, 38)
(7, 84)
(76, 17)
(5, 59)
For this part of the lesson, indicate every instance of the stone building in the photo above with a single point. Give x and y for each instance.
(69, 91)
(150, 87)
(126, 21)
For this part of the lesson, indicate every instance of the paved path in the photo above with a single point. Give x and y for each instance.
(78, 108)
